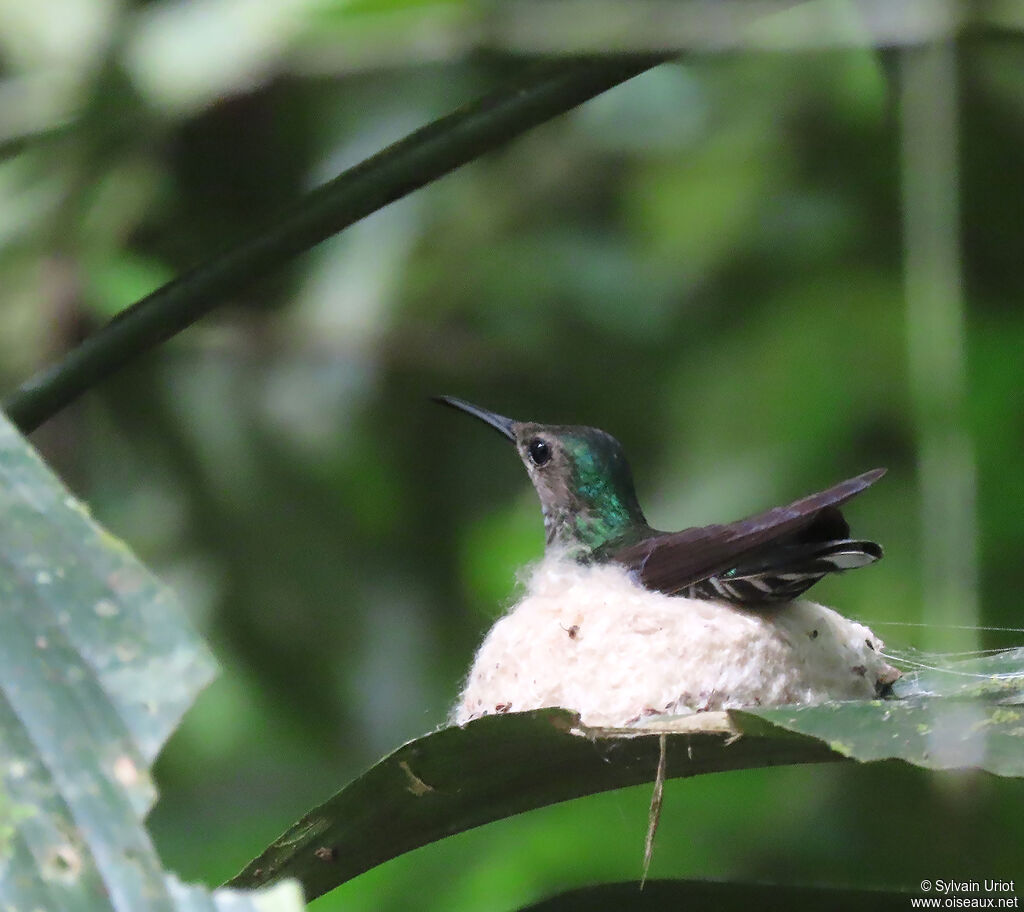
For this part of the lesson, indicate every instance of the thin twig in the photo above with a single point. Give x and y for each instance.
(654, 815)
(542, 92)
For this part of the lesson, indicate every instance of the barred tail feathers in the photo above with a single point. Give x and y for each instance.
(786, 572)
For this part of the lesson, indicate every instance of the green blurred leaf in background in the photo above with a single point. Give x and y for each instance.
(97, 665)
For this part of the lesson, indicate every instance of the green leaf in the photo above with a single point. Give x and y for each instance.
(458, 778)
(998, 677)
(965, 715)
(97, 665)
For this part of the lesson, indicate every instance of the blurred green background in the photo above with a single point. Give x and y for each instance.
(748, 266)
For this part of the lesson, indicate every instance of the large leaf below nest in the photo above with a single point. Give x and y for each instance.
(97, 665)
(458, 778)
(964, 715)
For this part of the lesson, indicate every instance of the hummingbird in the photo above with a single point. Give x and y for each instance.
(591, 513)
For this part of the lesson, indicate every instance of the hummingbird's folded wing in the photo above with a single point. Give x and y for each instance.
(672, 561)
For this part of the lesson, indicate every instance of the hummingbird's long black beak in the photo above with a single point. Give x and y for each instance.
(499, 422)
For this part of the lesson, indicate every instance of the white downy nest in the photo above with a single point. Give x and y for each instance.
(593, 640)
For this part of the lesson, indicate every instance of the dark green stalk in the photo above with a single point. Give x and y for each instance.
(544, 91)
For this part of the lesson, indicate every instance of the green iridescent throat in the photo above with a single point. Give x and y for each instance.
(602, 508)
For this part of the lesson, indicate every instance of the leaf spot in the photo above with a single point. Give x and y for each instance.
(62, 863)
(327, 853)
(105, 608)
(126, 652)
(125, 771)
(415, 785)
(1004, 716)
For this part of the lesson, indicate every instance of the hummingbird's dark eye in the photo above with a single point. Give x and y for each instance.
(540, 452)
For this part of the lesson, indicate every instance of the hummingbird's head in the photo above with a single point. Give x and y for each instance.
(581, 475)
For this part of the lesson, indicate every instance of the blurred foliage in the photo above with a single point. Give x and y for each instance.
(97, 665)
(705, 261)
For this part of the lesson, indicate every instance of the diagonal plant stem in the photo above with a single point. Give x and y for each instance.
(542, 92)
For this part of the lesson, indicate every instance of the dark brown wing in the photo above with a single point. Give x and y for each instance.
(674, 560)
